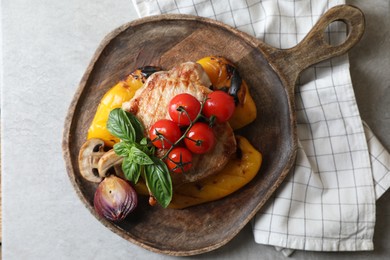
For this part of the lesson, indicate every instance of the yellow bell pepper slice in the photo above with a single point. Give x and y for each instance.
(217, 68)
(246, 111)
(236, 174)
(114, 97)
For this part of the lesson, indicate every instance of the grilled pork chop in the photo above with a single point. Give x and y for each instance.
(150, 104)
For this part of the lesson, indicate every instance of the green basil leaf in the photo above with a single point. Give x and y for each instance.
(159, 181)
(131, 170)
(121, 124)
(144, 141)
(146, 148)
(140, 156)
(138, 127)
(122, 149)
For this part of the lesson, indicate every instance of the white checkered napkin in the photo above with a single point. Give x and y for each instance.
(327, 203)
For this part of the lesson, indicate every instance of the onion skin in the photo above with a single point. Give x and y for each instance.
(115, 198)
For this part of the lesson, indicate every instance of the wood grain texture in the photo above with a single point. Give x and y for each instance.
(165, 41)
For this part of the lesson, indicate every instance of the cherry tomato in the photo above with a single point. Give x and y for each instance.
(183, 109)
(219, 104)
(164, 133)
(200, 138)
(179, 160)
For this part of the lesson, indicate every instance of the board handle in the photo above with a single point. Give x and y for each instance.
(314, 48)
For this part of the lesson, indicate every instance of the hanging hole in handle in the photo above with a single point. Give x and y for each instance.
(336, 33)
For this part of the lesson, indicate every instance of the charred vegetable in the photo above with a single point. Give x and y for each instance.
(225, 76)
(90, 153)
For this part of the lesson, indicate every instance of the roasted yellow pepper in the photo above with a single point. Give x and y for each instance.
(121, 92)
(237, 173)
(220, 72)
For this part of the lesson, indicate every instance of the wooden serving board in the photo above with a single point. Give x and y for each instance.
(168, 40)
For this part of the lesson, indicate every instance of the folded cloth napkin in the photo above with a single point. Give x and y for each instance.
(327, 203)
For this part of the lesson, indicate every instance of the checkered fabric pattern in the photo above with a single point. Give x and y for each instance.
(327, 203)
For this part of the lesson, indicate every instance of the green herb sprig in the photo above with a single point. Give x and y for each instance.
(138, 155)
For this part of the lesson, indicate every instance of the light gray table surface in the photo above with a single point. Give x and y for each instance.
(46, 47)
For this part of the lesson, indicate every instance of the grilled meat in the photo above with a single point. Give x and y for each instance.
(150, 104)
